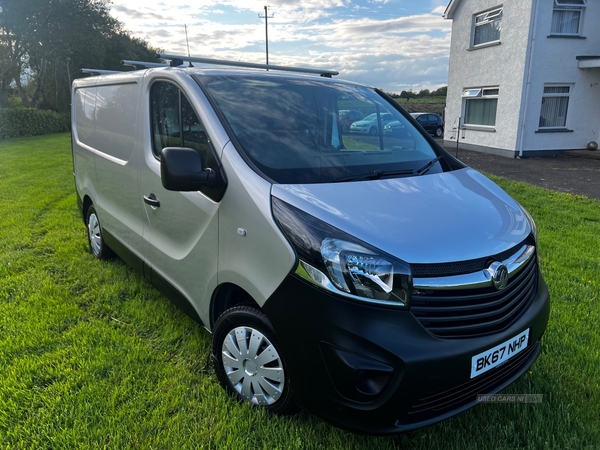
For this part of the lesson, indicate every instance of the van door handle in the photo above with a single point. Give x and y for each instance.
(151, 200)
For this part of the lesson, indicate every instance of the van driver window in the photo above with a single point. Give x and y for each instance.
(175, 124)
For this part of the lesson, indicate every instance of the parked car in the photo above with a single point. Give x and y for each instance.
(348, 117)
(379, 285)
(396, 128)
(433, 123)
(370, 124)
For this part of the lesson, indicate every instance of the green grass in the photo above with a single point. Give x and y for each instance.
(91, 356)
(402, 101)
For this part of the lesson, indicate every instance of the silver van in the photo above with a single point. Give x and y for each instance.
(373, 280)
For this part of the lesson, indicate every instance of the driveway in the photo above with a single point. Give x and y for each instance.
(576, 172)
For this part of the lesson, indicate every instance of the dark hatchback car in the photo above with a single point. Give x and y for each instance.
(348, 117)
(433, 123)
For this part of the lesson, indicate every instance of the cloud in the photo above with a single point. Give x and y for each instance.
(439, 10)
(384, 49)
(137, 14)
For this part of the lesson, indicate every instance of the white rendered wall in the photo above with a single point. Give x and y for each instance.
(500, 65)
(554, 61)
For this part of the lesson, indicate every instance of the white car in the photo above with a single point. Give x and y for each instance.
(371, 123)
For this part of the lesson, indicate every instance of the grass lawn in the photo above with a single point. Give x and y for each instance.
(402, 101)
(91, 356)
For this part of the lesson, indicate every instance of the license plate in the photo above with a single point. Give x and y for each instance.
(493, 357)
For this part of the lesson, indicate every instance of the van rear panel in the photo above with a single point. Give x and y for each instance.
(107, 145)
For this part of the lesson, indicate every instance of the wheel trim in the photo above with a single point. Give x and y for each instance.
(94, 234)
(253, 366)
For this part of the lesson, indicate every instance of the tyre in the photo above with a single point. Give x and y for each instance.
(373, 131)
(248, 361)
(438, 132)
(98, 247)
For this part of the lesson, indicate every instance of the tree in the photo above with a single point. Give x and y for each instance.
(407, 94)
(37, 37)
(7, 74)
(121, 45)
(440, 92)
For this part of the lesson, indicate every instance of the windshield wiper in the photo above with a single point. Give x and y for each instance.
(423, 170)
(375, 175)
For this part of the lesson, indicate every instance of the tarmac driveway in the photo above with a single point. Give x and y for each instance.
(576, 172)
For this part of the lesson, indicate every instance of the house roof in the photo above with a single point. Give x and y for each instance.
(449, 13)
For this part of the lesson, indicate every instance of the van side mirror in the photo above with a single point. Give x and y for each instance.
(181, 170)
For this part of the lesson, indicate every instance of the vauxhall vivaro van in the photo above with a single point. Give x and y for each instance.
(370, 278)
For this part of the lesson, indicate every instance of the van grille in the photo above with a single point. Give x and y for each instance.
(467, 313)
(460, 267)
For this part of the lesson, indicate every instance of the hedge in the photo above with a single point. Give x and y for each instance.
(17, 122)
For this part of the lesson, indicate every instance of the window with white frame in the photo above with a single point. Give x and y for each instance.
(487, 27)
(567, 16)
(479, 106)
(555, 105)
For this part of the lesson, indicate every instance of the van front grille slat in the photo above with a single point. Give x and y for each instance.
(470, 313)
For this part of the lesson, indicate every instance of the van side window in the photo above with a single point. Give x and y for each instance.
(175, 124)
(166, 129)
(193, 134)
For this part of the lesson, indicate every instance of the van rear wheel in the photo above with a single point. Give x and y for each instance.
(98, 247)
(248, 361)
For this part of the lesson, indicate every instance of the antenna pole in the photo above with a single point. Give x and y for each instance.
(188, 43)
(267, 34)
(266, 17)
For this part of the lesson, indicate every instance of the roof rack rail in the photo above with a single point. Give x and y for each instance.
(99, 71)
(177, 60)
(142, 65)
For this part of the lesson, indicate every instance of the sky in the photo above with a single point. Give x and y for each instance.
(393, 45)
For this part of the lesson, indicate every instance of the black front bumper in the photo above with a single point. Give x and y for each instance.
(377, 370)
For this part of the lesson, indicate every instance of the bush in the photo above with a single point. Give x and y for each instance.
(17, 122)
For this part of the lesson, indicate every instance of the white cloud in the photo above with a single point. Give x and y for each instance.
(439, 10)
(391, 52)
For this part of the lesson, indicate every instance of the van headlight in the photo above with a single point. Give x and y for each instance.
(340, 263)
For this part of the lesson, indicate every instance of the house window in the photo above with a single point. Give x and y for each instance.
(566, 16)
(487, 27)
(555, 104)
(479, 106)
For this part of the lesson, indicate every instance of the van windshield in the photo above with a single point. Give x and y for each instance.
(302, 130)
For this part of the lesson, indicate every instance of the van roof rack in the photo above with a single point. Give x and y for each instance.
(177, 60)
(99, 71)
(139, 65)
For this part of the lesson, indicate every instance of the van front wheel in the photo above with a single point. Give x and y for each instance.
(248, 361)
(97, 245)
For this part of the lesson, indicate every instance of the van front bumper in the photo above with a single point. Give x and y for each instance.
(377, 370)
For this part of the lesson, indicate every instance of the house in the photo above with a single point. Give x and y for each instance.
(524, 76)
